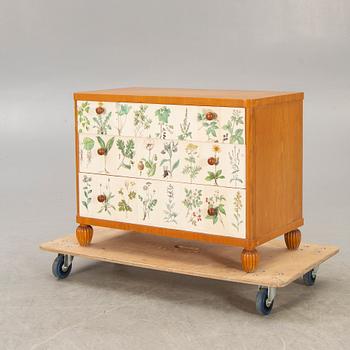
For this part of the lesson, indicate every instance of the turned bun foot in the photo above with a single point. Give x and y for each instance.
(292, 239)
(84, 234)
(249, 259)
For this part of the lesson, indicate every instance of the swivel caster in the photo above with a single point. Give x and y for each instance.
(264, 300)
(62, 266)
(310, 277)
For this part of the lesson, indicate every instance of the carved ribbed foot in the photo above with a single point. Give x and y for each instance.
(292, 239)
(249, 259)
(84, 234)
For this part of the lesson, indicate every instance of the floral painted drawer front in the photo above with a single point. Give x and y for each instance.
(190, 207)
(181, 161)
(167, 122)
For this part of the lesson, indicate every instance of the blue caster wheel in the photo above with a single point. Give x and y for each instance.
(263, 303)
(61, 268)
(310, 277)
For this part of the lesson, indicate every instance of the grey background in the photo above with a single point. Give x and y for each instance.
(48, 50)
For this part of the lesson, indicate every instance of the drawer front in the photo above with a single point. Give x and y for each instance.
(181, 161)
(189, 207)
(167, 122)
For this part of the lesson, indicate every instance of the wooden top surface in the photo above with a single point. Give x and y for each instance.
(277, 268)
(237, 98)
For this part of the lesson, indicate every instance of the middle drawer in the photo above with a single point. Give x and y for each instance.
(182, 161)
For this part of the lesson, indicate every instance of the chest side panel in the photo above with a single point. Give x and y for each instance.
(278, 156)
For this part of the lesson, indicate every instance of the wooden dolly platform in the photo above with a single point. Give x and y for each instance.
(278, 266)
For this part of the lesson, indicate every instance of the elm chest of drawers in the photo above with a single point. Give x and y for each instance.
(218, 166)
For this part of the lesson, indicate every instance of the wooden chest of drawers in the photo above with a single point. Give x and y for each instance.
(219, 166)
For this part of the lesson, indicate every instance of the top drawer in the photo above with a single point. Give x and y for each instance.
(167, 122)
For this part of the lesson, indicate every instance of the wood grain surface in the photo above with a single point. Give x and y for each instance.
(278, 266)
(276, 185)
(200, 97)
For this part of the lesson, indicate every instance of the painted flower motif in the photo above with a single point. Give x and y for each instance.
(192, 167)
(148, 200)
(238, 205)
(150, 163)
(191, 147)
(216, 148)
(214, 161)
(238, 201)
(149, 146)
(128, 183)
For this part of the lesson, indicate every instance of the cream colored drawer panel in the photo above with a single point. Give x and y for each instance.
(166, 122)
(189, 207)
(189, 162)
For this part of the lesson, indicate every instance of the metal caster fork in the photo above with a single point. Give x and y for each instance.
(310, 277)
(264, 299)
(62, 266)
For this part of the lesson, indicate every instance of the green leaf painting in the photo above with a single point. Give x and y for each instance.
(233, 127)
(142, 121)
(127, 196)
(149, 163)
(191, 168)
(87, 197)
(216, 208)
(123, 206)
(237, 207)
(168, 163)
(127, 153)
(210, 127)
(163, 115)
(122, 116)
(193, 202)
(84, 121)
(106, 205)
(88, 143)
(107, 147)
(216, 174)
(109, 144)
(101, 142)
(102, 123)
(170, 214)
(235, 160)
(148, 200)
(186, 133)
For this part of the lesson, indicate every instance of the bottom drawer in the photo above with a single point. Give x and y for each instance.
(189, 207)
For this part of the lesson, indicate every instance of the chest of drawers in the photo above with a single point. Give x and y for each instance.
(220, 166)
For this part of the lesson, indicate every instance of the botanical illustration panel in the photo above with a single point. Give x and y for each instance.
(190, 207)
(181, 161)
(165, 122)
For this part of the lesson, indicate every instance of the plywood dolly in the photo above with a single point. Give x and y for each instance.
(278, 267)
